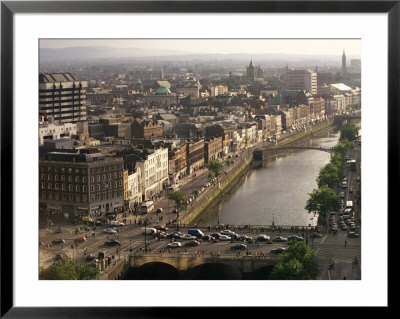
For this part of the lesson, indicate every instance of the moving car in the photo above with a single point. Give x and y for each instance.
(58, 241)
(192, 243)
(174, 244)
(278, 250)
(279, 239)
(116, 223)
(263, 237)
(224, 237)
(295, 238)
(112, 242)
(80, 239)
(315, 235)
(353, 235)
(110, 231)
(90, 257)
(239, 247)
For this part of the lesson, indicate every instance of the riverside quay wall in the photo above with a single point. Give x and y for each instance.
(223, 185)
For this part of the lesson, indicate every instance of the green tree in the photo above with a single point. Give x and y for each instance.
(215, 167)
(179, 199)
(349, 131)
(298, 262)
(228, 163)
(69, 270)
(195, 192)
(210, 175)
(322, 201)
(329, 175)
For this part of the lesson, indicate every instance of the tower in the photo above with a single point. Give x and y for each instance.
(251, 72)
(344, 62)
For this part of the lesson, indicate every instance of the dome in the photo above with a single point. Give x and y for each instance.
(163, 90)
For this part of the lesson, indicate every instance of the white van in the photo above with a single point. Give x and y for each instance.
(147, 207)
(148, 230)
(116, 223)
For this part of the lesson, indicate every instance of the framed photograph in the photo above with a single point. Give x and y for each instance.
(176, 152)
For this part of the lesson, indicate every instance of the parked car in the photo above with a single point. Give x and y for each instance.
(358, 178)
(160, 227)
(352, 226)
(315, 235)
(341, 194)
(351, 190)
(343, 226)
(245, 238)
(112, 242)
(279, 239)
(227, 232)
(188, 237)
(58, 241)
(278, 250)
(174, 244)
(59, 256)
(80, 239)
(239, 247)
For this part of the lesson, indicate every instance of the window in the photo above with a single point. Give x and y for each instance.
(98, 187)
(92, 197)
(115, 184)
(84, 188)
(78, 198)
(57, 196)
(77, 171)
(115, 174)
(49, 185)
(42, 177)
(64, 196)
(120, 174)
(92, 179)
(69, 169)
(84, 198)
(43, 185)
(77, 188)
(120, 183)
(70, 179)
(92, 188)
(98, 196)
(77, 179)
(49, 169)
(84, 179)
(98, 178)
(104, 196)
(62, 178)
(56, 186)
(71, 197)
(56, 178)
(50, 195)
(62, 169)
(109, 176)
(49, 177)
(70, 187)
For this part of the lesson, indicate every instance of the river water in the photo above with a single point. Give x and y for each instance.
(278, 191)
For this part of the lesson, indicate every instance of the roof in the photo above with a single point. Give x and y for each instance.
(163, 90)
(341, 87)
(56, 77)
(165, 84)
(168, 116)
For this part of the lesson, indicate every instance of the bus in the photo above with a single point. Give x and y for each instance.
(349, 204)
(147, 207)
(353, 165)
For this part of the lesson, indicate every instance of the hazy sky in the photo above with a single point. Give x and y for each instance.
(288, 46)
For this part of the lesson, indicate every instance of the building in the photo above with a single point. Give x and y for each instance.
(134, 191)
(177, 166)
(212, 149)
(253, 72)
(301, 80)
(146, 128)
(81, 184)
(55, 131)
(63, 97)
(344, 70)
(194, 156)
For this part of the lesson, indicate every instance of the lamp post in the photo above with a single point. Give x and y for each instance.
(145, 235)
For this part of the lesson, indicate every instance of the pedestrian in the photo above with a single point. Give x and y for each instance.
(345, 243)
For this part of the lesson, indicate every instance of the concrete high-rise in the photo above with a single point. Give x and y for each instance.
(62, 97)
(301, 80)
(344, 63)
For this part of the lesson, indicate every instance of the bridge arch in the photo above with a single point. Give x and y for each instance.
(154, 270)
(214, 271)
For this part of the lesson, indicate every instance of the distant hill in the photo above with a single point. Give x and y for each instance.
(90, 53)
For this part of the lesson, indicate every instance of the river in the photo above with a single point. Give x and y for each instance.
(278, 191)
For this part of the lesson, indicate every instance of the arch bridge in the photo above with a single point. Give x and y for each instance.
(246, 264)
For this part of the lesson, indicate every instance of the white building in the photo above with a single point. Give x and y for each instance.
(135, 187)
(54, 131)
(154, 173)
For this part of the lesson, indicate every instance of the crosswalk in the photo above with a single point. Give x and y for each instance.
(333, 247)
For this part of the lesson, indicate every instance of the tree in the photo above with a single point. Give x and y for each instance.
(298, 262)
(215, 167)
(195, 192)
(69, 270)
(329, 175)
(179, 199)
(322, 201)
(228, 163)
(349, 131)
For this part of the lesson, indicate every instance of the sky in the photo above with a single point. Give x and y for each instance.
(225, 46)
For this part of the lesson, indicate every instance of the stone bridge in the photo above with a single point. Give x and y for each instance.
(317, 148)
(245, 264)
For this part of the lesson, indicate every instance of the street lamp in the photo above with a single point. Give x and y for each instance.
(145, 235)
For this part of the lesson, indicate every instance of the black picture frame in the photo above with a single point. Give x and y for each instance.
(9, 8)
